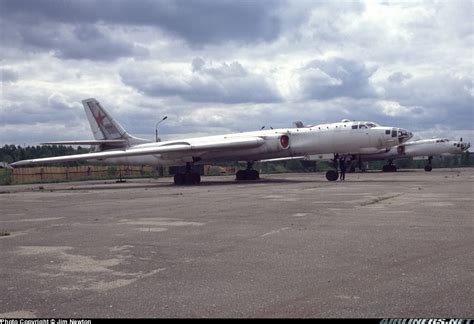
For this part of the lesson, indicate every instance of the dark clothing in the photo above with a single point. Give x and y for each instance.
(342, 167)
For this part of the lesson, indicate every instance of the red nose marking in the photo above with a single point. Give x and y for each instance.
(284, 141)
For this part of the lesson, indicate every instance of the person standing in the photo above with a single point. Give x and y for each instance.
(342, 168)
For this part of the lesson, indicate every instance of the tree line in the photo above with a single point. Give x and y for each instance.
(13, 153)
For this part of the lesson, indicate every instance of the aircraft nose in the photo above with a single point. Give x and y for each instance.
(404, 135)
(465, 146)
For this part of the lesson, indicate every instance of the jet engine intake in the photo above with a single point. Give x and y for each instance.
(401, 149)
(285, 141)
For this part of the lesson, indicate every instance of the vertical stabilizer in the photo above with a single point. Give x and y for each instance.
(103, 126)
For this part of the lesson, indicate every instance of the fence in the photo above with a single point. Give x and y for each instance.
(51, 174)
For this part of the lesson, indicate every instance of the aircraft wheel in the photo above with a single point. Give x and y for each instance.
(332, 175)
(247, 175)
(389, 168)
(192, 178)
(179, 179)
(252, 175)
(240, 175)
(197, 178)
(428, 168)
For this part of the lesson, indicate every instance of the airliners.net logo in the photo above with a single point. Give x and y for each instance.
(425, 321)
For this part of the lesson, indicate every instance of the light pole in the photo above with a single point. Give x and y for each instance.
(156, 128)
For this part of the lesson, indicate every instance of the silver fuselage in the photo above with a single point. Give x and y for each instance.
(337, 138)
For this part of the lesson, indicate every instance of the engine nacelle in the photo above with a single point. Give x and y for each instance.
(277, 143)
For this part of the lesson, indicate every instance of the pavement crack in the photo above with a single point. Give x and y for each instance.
(379, 199)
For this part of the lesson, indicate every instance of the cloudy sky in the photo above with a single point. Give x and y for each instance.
(218, 66)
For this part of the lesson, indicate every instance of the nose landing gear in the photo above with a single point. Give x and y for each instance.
(428, 167)
(389, 167)
(248, 174)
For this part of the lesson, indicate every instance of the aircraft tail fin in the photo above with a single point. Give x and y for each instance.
(105, 128)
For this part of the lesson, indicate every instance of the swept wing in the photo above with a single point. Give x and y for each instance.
(185, 148)
(87, 142)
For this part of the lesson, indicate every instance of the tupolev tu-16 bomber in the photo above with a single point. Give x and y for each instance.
(114, 145)
(420, 149)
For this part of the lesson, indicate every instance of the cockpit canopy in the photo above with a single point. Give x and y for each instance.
(364, 124)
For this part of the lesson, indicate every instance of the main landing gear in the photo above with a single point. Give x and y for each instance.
(428, 167)
(189, 177)
(248, 174)
(389, 167)
(333, 175)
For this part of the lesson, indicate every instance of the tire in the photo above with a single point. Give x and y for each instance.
(252, 175)
(196, 178)
(428, 168)
(332, 175)
(240, 175)
(192, 178)
(179, 179)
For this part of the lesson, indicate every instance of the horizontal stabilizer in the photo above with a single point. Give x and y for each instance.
(88, 142)
(5, 165)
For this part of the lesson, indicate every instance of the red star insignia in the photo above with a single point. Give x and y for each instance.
(100, 119)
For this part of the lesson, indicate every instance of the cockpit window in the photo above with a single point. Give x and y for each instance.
(370, 125)
(362, 126)
(394, 132)
(354, 126)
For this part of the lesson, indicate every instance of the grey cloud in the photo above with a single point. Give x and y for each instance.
(197, 22)
(398, 77)
(73, 42)
(34, 112)
(225, 83)
(334, 78)
(198, 63)
(8, 75)
(87, 42)
(443, 98)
